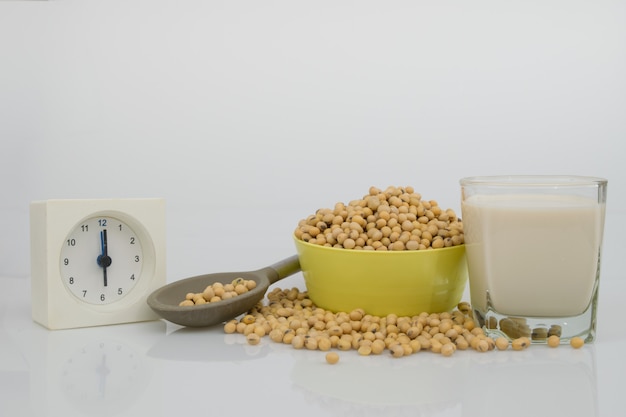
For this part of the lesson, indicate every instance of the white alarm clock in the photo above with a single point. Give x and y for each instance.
(94, 262)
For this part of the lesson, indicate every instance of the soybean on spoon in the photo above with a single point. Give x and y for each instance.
(164, 301)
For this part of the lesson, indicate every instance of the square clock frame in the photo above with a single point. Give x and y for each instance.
(94, 262)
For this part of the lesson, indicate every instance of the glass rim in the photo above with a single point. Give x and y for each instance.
(533, 181)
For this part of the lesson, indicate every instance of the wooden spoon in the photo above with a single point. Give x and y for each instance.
(164, 301)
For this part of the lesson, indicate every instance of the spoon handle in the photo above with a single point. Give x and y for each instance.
(284, 268)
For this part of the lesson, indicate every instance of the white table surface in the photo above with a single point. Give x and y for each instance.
(161, 369)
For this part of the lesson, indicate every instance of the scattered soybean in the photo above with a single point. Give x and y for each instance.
(332, 358)
(576, 342)
(290, 317)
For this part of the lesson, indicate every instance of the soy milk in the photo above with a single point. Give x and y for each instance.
(532, 255)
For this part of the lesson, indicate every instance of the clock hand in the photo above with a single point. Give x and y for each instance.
(104, 260)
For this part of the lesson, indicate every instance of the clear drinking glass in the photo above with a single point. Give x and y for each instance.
(533, 246)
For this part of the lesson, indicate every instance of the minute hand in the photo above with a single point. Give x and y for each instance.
(104, 260)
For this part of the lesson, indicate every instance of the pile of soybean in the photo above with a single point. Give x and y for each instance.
(218, 291)
(396, 218)
(290, 317)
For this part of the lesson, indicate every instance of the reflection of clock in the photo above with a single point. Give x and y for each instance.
(94, 262)
(103, 377)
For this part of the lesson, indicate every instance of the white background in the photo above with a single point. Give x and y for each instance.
(249, 115)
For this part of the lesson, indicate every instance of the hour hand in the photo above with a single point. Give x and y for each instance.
(104, 260)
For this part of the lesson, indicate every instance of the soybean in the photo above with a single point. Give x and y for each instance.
(576, 342)
(520, 343)
(332, 358)
(502, 343)
(554, 341)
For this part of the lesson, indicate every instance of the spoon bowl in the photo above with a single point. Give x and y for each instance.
(165, 300)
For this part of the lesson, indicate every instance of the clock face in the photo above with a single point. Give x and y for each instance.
(101, 260)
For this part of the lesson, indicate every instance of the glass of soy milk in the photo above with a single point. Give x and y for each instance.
(533, 246)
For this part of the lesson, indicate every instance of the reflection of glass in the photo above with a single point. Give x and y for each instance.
(381, 385)
(536, 382)
(533, 251)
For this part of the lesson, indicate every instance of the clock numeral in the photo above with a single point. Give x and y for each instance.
(137, 258)
(71, 242)
(84, 293)
(84, 227)
(71, 280)
(102, 222)
(66, 261)
(132, 277)
(120, 291)
(102, 298)
(132, 240)
(120, 226)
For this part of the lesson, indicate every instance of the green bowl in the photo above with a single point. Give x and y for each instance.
(405, 283)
